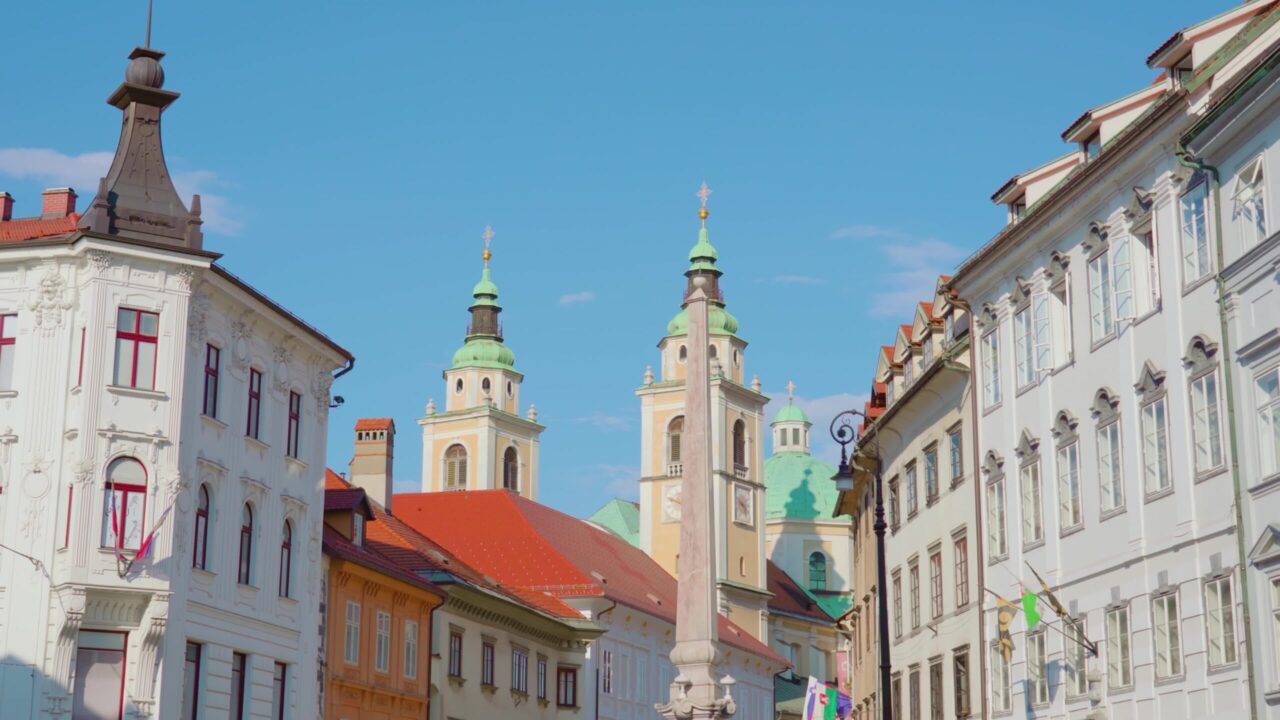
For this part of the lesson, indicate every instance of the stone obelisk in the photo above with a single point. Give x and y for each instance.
(696, 691)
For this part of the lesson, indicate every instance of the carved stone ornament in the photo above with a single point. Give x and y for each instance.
(1028, 444)
(281, 356)
(321, 385)
(100, 261)
(1105, 404)
(1064, 427)
(1139, 207)
(50, 301)
(241, 331)
(197, 325)
(987, 316)
(1058, 264)
(185, 277)
(1021, 294)
(1096, 237)
(993, 465)
(1202, 354)
(1150, 380)
(82, 471)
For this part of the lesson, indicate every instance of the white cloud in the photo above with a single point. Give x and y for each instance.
(577, 297)
(82, 172)
(605, 421)
(619, 481)
(911, 266)
(797, 280)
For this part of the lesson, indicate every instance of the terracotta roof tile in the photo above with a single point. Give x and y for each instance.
(350, 498)
(19, 229)
(338, 546)
(374, 424)
(334, 481)
(790, 598)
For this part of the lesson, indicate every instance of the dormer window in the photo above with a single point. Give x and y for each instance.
(888, 392)
(927, 345)
(1017, 210)
(1092, 145)
(357, 529)
(908, 371)
(948, 329)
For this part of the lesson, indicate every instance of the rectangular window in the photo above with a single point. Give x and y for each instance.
(960, 672)
(567, 687)
(1122, 301)
(382, 642)
(520, 670)
(295, 425)
(1268, 402)
(1275, 615)
(896, 697)
(8, 349)
(1060, 350)
(137, 333)
(606, 672)
(410, 649)
(1119, 662)
(913, 691)
(997, 535)
(1037, 678)
(1195, 230)
(914, 574)
(1147, 264)
(908, 371)
(1001, 697)
(191, 682)
(1206, 426)
(955, 448)
(1155, 446)
(935, 690)
(279, 686)
(1074, 649)
(1248, 203)
(926, 351)
(239, 667)
(962, 571)
(1024, 364)
(1102, 320)
(351, 634)
(893, 501)
(1168, 636)
(212, 357)
(123, 513)
(1070, 512)
(486, 663)
(1221, 621)
(931, 474)
(1032, 509)
(1110, 474)
(897, 603)
(455, 654)
(255, 404)
(991, 368)
(912, 498)
(935, 583)
(542, 678)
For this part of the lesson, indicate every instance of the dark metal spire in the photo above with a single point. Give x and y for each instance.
(147, 42)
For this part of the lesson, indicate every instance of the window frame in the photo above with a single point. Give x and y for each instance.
(913, 489)
(1119, 641)
(351, 633)
(997, 505)
(294, 425)
(244, 564)
(1001, 677)
(382, 642)
(542, 677)
(1113, 501)
(129, 492)
(138, 339)
(455, 653)
(1037, 668)
(955, 454)
(286, 558)
(411, 645)
(1102, 318)
(1198, 263)
(1251, 231)
(1161, 445)
(200, 541)
(239, 668)
(1070, 500)
(1268, 428)
(962, 682)
(913, 592)
(1176, 668)
(520, 669)
(253, 418)
(1030, 471)
(1212, 421)
(280, 689)
(566, 686)
(932, 482)
(992, 394)
(488, 655)
(897, 602)
(212, 366)
(935, 583)
(960, 550)
(8, 356)
(1229, 642)
(1075, 657)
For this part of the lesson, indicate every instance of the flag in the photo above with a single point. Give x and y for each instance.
(820, 701)
(1053, 599)
(145, 547)
(1029, 609)
(1005, 611)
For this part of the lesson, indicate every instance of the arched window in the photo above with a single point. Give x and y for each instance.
(712, 352)
(455, 468)
(124, 504)
(286, 557)
(740, 444)
(674, 430)
(683, 353)
(817, 571)
(200, 549)
(245, 575)
(511, 470)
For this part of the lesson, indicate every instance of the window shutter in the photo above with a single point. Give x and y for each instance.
(675, 447)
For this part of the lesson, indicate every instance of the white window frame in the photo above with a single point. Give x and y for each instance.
(1155, 446)
(351, 634)
(991, 391)
(1110, 466)
(1220, 622)
(1248, 202)
(1101, 306)
(1197, 260)
(1031, 490)
(1119, 652)
(1076, 657)
(913, 592)
(1206, 420)
(1001, 692)
(1037, 675)
(410, 649)
(1024, 360)
(1070, 506)
(997, 519)
(1266, 387)
(382, 642)
(1170, 629)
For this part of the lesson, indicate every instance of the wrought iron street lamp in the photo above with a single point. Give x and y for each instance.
(844, 431)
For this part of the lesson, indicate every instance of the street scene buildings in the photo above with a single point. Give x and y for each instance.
(1058, 497)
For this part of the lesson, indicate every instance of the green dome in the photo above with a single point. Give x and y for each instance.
(703, 253)
(791, 413)
(485, 289)
(719, 322)
(484, 352)
(798, 486)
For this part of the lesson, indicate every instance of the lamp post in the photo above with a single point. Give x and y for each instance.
(844, 432)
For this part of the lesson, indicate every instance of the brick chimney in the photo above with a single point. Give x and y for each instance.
(6, 207)
(374, 456)
(58, 203)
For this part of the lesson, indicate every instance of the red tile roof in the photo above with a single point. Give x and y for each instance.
(522, 543)
(338, 546)
(19, 229)
(334, 481)
(351, 498)
(790, 598)
(374, 424)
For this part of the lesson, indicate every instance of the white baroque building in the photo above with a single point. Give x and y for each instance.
(148, 393)
(1100, 384)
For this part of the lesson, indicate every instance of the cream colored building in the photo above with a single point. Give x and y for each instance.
(737, 454)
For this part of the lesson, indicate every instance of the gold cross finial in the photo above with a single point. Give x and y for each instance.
(791, 391)
(704, 192)
(488, 238)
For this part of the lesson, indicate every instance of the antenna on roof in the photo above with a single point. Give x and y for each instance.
(147, 43)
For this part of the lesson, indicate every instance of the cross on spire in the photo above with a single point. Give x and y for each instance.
(488, 238)
(147, 43)
(704, 192)
(791, 391)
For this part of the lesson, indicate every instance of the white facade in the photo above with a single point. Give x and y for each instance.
(76, 416)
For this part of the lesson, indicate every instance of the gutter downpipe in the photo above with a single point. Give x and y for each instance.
(979, 520)
(609, 609)
(1186, 159)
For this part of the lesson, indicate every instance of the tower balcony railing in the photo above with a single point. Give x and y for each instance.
(675, 469)
(740, 471)
(472, 329)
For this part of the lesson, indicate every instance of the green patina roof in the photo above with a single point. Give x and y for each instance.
(485, 287)
(484, 352)
(703, 254)
(833, 604)
(791, 413)
(798, 486)
(719, 322)
(620, 517)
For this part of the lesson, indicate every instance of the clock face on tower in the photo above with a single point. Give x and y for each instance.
(671, 502)
(744, 505)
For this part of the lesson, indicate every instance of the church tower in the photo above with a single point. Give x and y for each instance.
(479, 441)
(737, 450)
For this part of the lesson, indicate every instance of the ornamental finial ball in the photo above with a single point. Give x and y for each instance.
(487, 255)
(702, 213)
(699, 282)
(145, 70)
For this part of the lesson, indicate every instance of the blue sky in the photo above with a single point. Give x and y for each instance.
(350, 158)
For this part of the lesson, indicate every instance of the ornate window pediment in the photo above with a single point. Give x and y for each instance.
(1202, 354)
(1139, 207)
(1064, 427)
(1150, 380)
(1057, 267)
(987, 316)
(1267, 549)
(993, 465)
(1105, 404)
(1021, 294)
(1096, 238)
(1028, 445)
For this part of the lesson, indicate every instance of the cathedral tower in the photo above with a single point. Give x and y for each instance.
(479, 441)
(737, 450)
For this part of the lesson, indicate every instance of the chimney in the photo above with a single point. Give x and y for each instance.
(58, 203)
(374, 456)
(6, 207)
